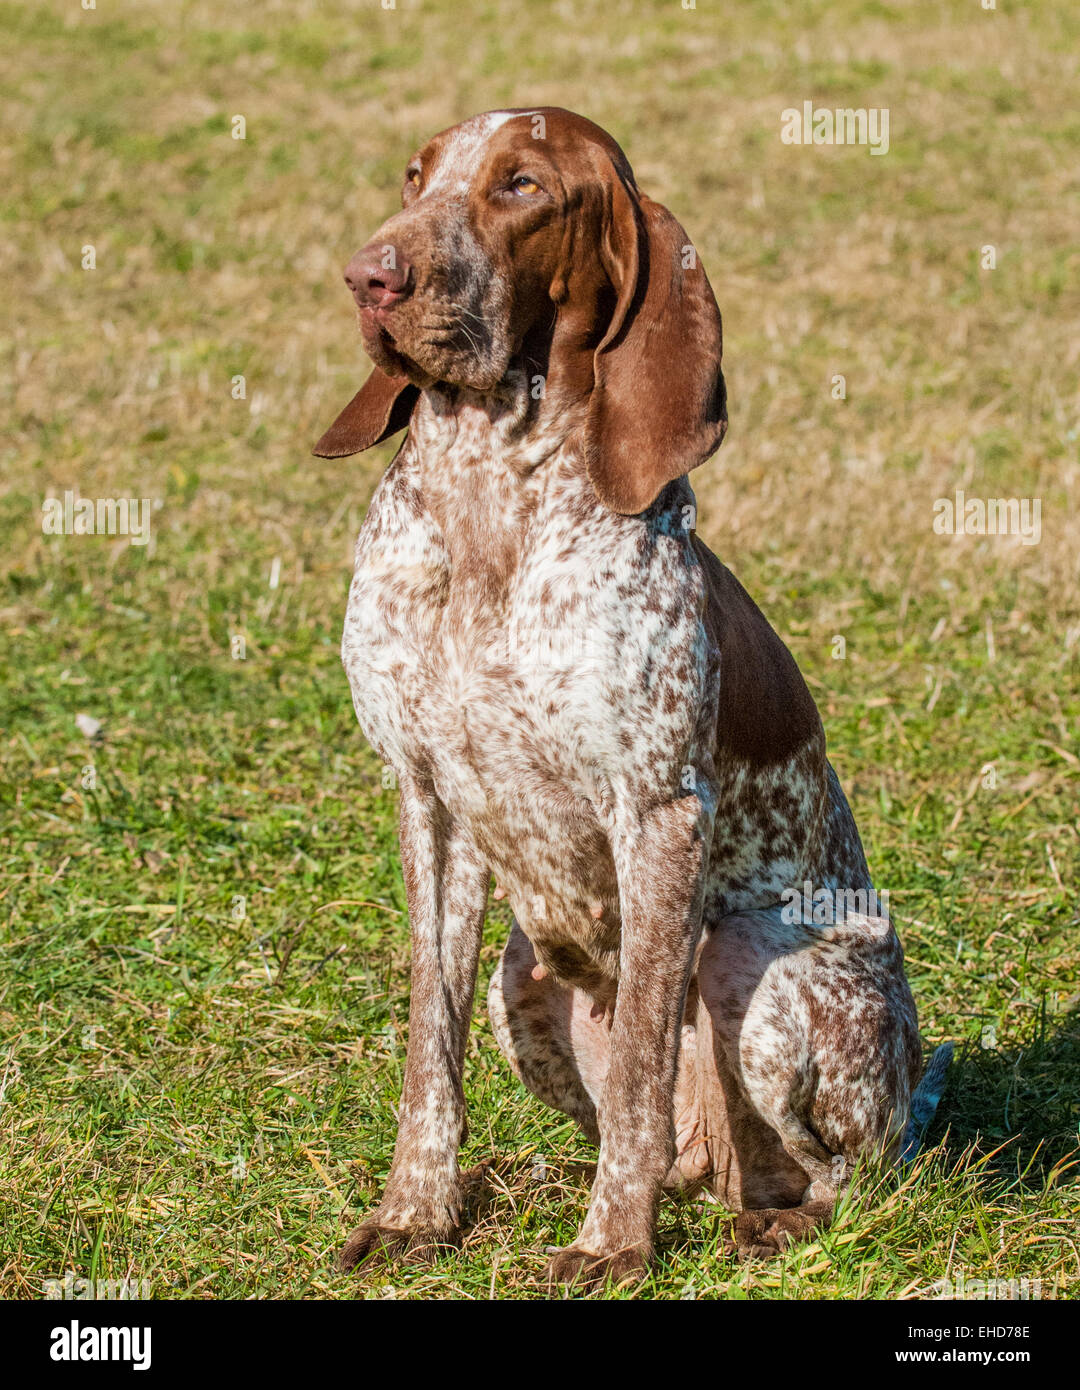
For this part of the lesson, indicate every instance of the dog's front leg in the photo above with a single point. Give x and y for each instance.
(446, 885)
(659, 861)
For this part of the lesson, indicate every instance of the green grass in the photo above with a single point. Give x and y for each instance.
(199, 1090)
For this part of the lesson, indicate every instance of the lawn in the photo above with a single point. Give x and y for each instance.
(203, 936)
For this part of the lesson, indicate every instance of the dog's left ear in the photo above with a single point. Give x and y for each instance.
(659, 405)
(379, 409)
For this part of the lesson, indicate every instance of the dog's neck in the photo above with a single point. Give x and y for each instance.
(485, 459)
(517, 425)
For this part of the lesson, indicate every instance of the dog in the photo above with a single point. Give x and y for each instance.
(578, 698)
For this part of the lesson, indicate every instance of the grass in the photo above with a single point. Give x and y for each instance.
(203, 959)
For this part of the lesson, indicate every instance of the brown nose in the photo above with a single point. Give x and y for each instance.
(378, 276)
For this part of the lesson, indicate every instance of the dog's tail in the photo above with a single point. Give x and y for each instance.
(924, 1102)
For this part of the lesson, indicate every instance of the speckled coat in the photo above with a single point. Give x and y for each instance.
(579, 699)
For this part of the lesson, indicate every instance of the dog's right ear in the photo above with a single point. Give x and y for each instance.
(379, 409)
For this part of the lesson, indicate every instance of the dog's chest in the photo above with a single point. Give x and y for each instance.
(526, 667)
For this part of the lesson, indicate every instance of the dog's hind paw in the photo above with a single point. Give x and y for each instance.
(765, 1233)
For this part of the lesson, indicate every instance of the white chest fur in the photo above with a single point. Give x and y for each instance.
(554, 659)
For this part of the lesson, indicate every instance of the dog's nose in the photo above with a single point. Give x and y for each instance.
(378, 276)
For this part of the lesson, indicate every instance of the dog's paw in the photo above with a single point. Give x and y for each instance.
(768, 1232)
(585, 1271)
(374, 1243)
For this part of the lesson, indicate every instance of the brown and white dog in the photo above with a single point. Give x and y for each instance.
(577, 697)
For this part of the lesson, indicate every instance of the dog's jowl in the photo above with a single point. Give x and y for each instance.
(578, 699)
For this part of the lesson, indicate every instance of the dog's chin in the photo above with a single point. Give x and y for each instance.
(380, 346)
(424, 366)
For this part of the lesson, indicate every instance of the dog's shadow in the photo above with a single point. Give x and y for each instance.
(1023, 1100)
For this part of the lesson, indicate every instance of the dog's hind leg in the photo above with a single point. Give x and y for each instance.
(818, 1024)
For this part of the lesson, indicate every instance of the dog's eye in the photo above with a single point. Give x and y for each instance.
(413, 176)
(521, 183)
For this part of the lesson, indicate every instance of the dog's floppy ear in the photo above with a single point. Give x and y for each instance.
(659, 405)
(379, 409)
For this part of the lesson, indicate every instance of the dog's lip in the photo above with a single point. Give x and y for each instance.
(381, 344)
(374, 331)
(376, 315)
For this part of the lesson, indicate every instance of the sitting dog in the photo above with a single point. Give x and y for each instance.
(577, 697)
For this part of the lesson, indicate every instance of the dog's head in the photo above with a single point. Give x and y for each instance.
(523, 233)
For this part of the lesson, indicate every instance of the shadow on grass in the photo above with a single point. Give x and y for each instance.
(1025, 1099)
